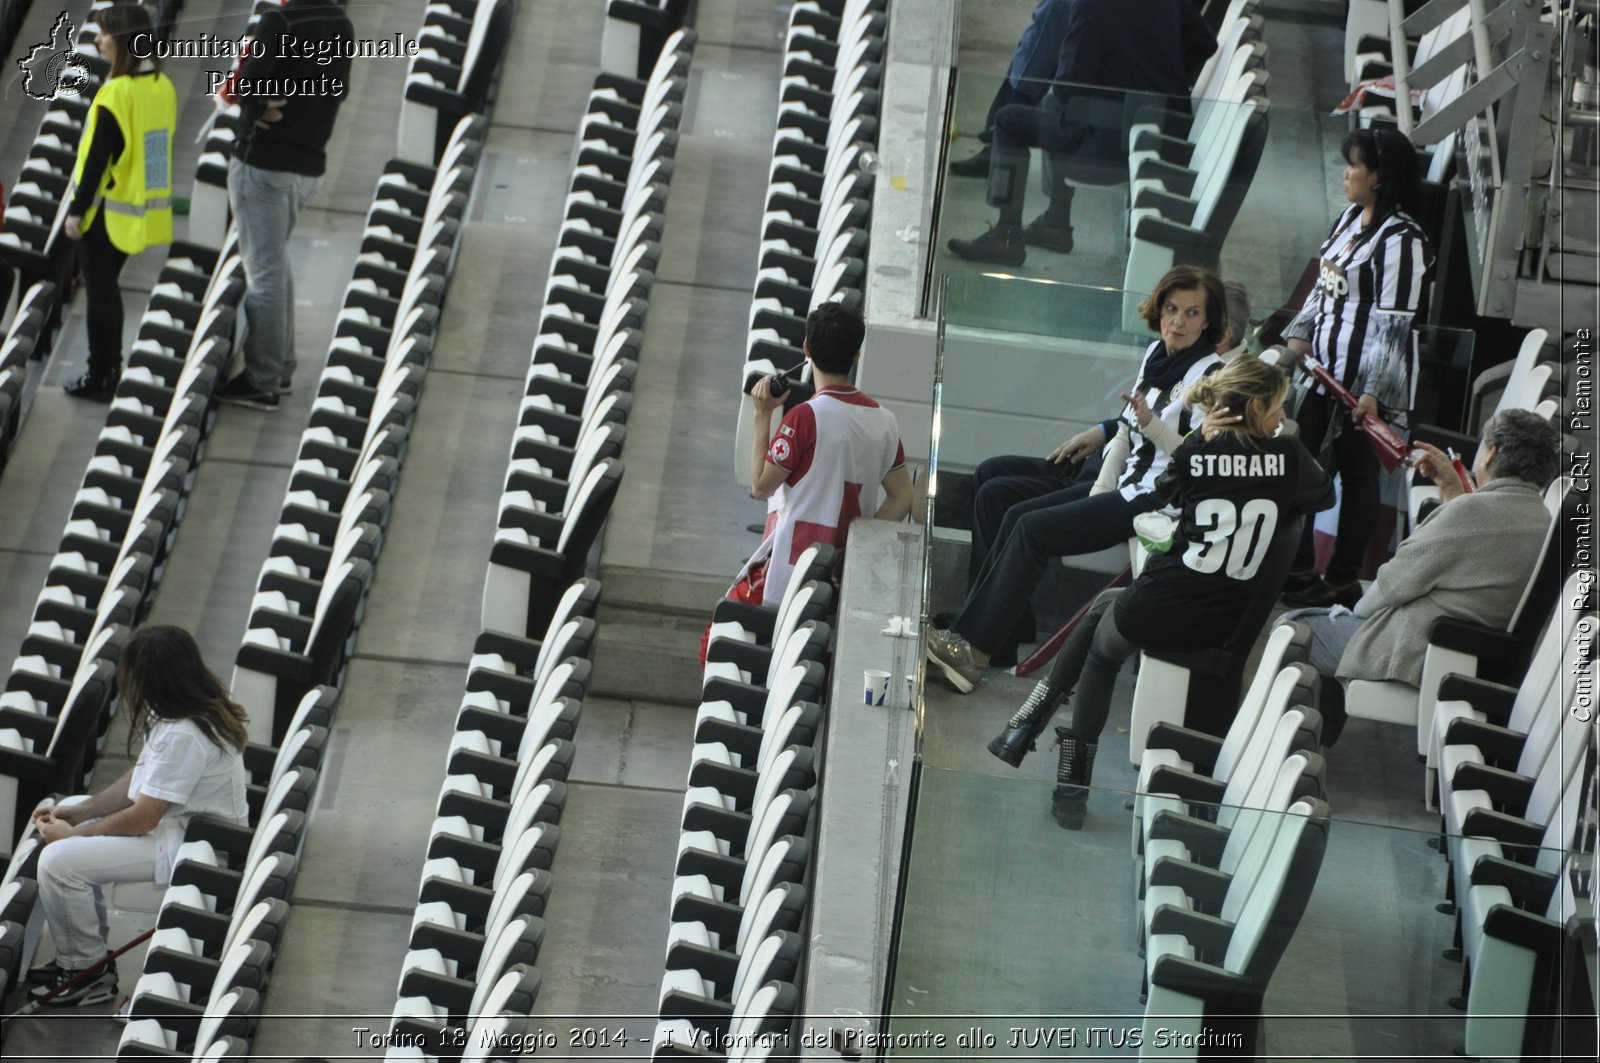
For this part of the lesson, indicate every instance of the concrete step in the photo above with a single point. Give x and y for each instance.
(640, 660)
(661, 591)
(611, 612)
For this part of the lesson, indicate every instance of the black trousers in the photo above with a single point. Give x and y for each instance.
(1018, 127)
(1351, 456)
(102, 264)
(1064, 524)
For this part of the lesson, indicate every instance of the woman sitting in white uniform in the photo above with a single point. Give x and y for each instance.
(191, 762)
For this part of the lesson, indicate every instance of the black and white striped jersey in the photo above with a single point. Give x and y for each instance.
(1358, 316)
(1146, 460)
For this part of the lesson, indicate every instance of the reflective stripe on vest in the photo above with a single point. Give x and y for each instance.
(136, 189)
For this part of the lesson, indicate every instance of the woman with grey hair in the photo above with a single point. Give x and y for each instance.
(1237, 299)
(1469, 559)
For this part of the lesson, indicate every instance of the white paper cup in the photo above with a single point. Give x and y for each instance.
(876, 685)
(1155, 531)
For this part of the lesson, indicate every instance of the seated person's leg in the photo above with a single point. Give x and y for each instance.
(1013, 570)
(73, 875)
(1329, 637)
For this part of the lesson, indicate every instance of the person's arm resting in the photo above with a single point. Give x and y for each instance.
(140, 817)
(897, 494)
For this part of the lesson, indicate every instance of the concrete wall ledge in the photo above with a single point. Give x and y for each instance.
(863, 787)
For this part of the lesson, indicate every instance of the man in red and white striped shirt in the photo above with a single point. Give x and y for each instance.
(835, 457)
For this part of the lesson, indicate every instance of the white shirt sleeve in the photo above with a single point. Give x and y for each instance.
(175, 762)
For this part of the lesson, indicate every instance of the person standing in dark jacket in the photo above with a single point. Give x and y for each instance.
(1143, 46)
(1028, 78)
(277, 167)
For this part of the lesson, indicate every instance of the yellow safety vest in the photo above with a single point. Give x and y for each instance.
(136, 189)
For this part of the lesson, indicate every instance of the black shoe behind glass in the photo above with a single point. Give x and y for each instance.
(1002, 245)
(93, 388)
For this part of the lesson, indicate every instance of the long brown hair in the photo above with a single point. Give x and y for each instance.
(161, 676)
(124, 22)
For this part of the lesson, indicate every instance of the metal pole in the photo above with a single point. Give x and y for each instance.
(1402, 65)
(1484, 60)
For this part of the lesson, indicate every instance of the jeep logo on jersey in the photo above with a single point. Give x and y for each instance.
(54, 69)
(1331, 279)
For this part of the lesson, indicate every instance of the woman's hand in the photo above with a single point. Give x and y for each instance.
(1216, 420)
(1436, 465)
(1079, 446)
(1141, 409)
(73, 226)
(1366, 406)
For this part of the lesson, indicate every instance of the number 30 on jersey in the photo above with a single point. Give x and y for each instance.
(1235, 540)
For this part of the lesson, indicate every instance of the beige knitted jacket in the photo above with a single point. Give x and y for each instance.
(1470, 559)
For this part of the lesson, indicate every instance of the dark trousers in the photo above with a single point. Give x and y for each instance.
(1027, 94)
(1002, 482)
(1352, 458)
(1018, 127)
(1089, 661)
(1033, 534)
(102, 267)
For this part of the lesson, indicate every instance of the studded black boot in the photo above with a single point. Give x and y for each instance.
(1070, 801)
(1018, 739)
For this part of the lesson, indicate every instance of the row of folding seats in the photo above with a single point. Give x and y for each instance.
(312, 590)
(819, 192)
(27, 340)
(735, 949)
(634, 33)
(114, 546)
(221, 918)
(31, 243)
(1517, 784)
(564, 470)
(1228, 839)
(478, 925)
(1185, 191)
(454, 73)
(1468, 648)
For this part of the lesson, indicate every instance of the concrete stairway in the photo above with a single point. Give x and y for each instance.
(650, 623)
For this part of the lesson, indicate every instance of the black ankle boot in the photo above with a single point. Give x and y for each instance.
(1017, 740)
(1002, 245)
(1069, 803)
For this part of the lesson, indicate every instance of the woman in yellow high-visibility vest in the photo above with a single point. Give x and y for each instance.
(122, 186)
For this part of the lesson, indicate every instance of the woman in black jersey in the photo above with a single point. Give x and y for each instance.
(1234, 484)
(1356, 323)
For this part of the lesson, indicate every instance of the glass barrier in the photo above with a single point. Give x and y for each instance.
(1020, 939)
(1014, 929)
(1140, 183)
(1025, 363)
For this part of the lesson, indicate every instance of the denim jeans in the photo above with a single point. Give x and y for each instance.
(266, 204)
